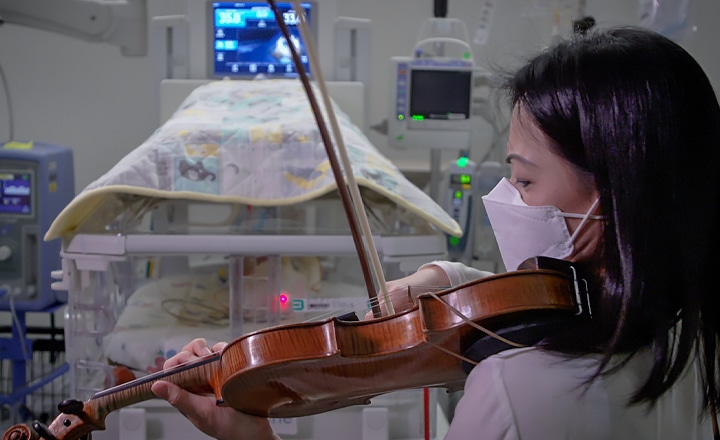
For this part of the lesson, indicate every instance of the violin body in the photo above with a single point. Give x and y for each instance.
(303, 369)
(339, 363)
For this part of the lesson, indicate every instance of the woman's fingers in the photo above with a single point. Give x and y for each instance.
(219, 346)
(220, 422)
(198, 347)
(195, 349)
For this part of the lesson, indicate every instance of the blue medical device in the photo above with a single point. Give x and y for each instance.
(36, 183)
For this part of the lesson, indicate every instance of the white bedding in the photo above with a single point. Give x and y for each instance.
(249, 142)
(149, 330)
(163, 315)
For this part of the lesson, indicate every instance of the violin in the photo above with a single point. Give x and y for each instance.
(302, 369)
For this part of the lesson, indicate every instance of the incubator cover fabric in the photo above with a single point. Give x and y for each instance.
(247, 142)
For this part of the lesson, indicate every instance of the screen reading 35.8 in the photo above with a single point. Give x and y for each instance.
(247, 39)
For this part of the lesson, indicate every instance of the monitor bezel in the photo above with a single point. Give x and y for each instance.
(210, 39)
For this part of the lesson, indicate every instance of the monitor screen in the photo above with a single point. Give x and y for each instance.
(247, 41)
(16, 188)
(440, 94)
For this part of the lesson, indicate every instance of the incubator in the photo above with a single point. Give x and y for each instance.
(131, 307)
(224, 222)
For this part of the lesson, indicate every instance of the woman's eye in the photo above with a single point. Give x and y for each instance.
(522, 183)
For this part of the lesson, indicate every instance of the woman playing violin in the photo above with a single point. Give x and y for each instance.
(614, 147)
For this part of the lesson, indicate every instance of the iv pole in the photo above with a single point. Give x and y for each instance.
(439, 11)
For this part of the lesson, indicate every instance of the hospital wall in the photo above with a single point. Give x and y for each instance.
(89, 97)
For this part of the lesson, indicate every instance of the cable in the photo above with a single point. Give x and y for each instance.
(11, 123)
(20, 330)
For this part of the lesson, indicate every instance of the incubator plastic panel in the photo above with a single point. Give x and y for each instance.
(166, 271)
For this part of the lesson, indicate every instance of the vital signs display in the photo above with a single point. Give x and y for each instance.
(247, 41)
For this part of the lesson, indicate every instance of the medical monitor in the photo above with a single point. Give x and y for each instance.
(16, 192)
(245, 40)
(431, 103)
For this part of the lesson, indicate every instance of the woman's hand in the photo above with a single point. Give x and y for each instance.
(404, 290)
(219, 422)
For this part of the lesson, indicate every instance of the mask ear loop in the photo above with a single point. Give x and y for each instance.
(585, 219)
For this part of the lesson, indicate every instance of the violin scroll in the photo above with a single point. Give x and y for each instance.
(76, 422)
(20, 432)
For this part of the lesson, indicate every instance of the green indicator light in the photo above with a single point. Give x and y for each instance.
(465, 178)
(466, 55)
(458, 194)
(418, 118)
(454, 241)
(462, 162)
(401, 117)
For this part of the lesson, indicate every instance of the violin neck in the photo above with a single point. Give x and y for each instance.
(196, 375)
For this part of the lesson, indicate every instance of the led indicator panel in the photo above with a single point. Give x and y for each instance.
(463, 181)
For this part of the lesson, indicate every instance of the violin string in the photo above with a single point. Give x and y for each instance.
(368, 305)
(408, 291)
(158, 375)
(474, 324)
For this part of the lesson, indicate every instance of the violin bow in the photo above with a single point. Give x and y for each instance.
(353, 205)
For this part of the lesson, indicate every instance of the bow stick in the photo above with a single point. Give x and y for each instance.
(348, 201)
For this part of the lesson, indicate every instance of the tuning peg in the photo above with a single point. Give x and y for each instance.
(71, 406)
(43, 431)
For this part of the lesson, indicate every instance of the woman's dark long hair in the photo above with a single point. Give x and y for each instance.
(636, 112)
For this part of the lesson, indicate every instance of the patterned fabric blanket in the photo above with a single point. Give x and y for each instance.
(248, 142)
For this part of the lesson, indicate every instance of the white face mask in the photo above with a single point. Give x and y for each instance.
(524, 231)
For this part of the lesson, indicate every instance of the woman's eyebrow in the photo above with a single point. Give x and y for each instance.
(513, 156)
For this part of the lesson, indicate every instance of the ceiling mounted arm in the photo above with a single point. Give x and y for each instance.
(122, 23)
